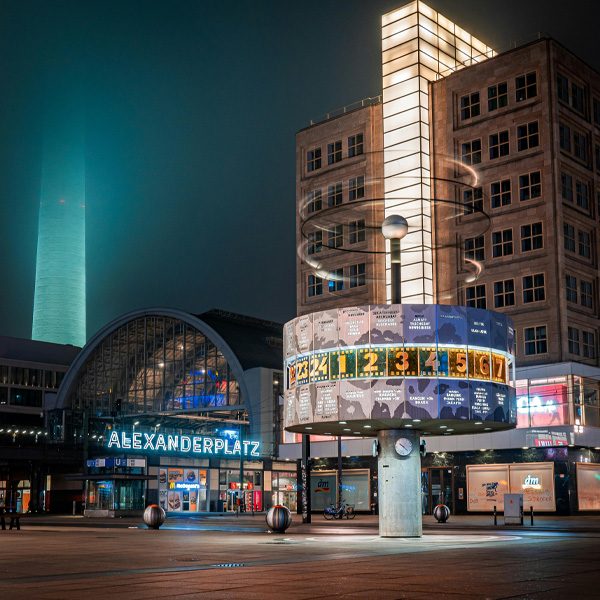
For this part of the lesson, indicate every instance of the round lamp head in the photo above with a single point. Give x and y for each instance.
(394, 227)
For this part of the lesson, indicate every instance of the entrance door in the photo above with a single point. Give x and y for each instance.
(438, 488)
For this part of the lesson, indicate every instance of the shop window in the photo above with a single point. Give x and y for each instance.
(499, 145)
(334, 152)
(531, 237)
(471, 152)
(530, 186)
(355, 145)
(497, 96)
(535, 340)
(475, 248)
(504, 293)
(502, 243)
(472, 200)
(526, 86)
(528, 136)
(475, 296)
(469, 106)
(500, 193)
(334, 194)
(313, 160)
(533, 288)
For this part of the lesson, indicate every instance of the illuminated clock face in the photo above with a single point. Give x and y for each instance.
(403, 446)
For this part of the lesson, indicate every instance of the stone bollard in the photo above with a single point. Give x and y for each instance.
(278, 518)
(154, 516)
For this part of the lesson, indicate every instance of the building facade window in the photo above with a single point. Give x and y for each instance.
(315, 242)
(314, 201)
(334, 152)
(569, 237)
(469, 106)
(335, 236)
(528, 136)
(580, 146)
(596, 110)
(532, 237)
(475, 296)
(530, 185)
(585, 244)
(499, 145)
(475, 248)
(358, 275)
(526, 86)
(315, 286)
(536, 340)
(500, 193)
(336, 282)
(573, 337)
(566, 187)
(355, 145)
(472, 200)
(471, 152)
(504, 293)
(533, 288)
(313, 159)
(571, 285)
(589, 344)
(578, 98)
(564, 136)
(356, 188)
(497, 96)
(562, 88)
(586, 293)
(597, 156)
(356, 231)
(502, 243)
(582, 195)
(334, 194)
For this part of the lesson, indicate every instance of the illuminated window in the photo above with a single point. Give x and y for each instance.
(528, 136)
(573, 336)
(577, 98)
(589, 344)
(497, 96)
(580, 146)
(562, 88)
(469, 106)
(335, 236)
(356, 188)
(356, 231)
(582, 195)
(536, 340)
(357, 275)
(569, 237)
(530, 186)
(314, 201)
(315, 286)
(533, 288)
(475, 248)
(532, 237)
(499, 145)
(585, 244)
(334, 194)
(585, 289)
(475, 296)
(500, 194)
(566, 187)
(526, 86)
(502, 243)
(334, 152)
(571, 288)
(355, 145)
(564, 134)
(504, 293)
(336, 283)
(315, 242)
(313, 159)
(471, 152)
(472, 200)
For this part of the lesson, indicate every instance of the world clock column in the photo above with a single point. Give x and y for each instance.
(399, 483)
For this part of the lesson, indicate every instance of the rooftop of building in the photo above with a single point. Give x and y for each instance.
(35, 351)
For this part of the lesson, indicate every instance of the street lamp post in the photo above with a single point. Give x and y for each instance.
(394, 228)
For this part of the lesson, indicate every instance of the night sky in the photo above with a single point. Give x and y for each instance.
(192, 108)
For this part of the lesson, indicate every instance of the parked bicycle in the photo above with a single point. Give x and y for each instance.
(339, 512)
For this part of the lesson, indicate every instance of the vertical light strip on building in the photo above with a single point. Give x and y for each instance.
(418, 46)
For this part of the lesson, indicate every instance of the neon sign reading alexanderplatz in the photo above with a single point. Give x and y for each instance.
(182, 444)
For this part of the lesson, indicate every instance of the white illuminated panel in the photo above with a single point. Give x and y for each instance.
(419, 45)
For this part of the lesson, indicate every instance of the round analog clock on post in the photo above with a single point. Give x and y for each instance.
(403, 446)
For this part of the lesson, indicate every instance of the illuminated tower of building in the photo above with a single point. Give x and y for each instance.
(59, 311)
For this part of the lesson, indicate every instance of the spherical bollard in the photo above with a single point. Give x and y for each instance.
(279, 518)
(154, 516)
(441, 512)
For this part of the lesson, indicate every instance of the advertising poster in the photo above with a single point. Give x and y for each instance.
(502, 398)
(542, 406)
(388, 399)
(355, 400)
(353, 326)
(289, 407)
(175, 475)
(481, 400)
(419, 323)
(421, 398)
(588, 486)
(536, 482)
(323, 490)
(486, 486)
(303, 405)
(386, 324)
(174, 501)
(303, 334)
(498, 333)
(325, 329)
(455, 398)
(478, 327)
(289, 339)
(452, 324)
(325, 401)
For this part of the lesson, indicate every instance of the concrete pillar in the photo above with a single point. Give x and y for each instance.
(399, 481)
